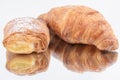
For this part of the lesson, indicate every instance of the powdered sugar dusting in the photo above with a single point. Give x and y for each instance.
(25, 23)
(21, 23)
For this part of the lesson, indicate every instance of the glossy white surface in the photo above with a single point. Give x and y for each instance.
(10, 9)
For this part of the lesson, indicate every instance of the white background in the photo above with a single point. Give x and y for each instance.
(10, 9)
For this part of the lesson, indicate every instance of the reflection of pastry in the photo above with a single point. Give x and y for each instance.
(25, 35)
(80, 24)
(80, 58)
(27, 63)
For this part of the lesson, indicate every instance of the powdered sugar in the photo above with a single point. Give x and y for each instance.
(24, 24)
(20, 24)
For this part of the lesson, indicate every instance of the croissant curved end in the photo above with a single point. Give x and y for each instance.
(108, 44)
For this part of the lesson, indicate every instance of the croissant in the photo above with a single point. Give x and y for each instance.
(26, 35)
(81, 58)
(81, 24)
(26, 64)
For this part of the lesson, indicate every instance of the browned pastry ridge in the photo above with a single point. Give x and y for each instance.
(81, 58)
(81, 24)
(26, 64)
(26, 35)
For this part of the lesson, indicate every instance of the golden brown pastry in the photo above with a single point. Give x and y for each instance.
(81, 24)
(25, 64)
(26, 35)
(81, 58)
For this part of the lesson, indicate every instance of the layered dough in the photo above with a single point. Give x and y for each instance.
(27, 64)
(81, 25)
(26, 35)
(81, 58)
